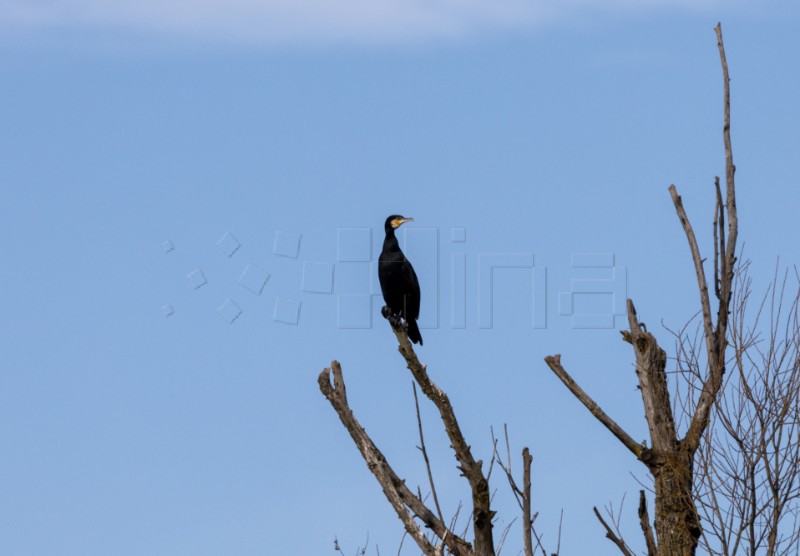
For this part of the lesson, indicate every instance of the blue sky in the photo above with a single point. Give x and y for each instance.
(543, 132)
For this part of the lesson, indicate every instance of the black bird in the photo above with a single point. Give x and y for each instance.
(399, 283)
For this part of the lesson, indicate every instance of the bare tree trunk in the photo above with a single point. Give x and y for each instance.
(677, 522)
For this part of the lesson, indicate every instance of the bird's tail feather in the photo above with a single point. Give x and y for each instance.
(413, 332)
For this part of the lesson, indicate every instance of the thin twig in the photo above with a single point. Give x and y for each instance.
(508, 447)
(560, 523)
(539, 541)
(403, 538)
(515, 490)
(425, 455)
(503, 535)
(610, 535)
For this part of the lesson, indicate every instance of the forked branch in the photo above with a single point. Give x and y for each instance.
(471, 468)
(611, 535)
(406, 504)
(717, 341)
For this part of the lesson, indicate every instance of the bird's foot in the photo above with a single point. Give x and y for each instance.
(394, 320)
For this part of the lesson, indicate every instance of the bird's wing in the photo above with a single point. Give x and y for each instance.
(413, 297)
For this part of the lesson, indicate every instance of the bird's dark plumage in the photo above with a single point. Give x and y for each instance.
(399, 283)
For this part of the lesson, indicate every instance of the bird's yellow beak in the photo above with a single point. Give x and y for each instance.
(397, 222)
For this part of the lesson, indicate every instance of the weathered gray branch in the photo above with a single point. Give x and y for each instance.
(730, 168)
(717, 342)
(644, 522)
(527, 519)
(702, 285)
(472, 469)
(405, 503)
(719, 239)
(523, 495)
(554, 362)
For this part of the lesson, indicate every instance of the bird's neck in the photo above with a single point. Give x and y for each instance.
(391, 240)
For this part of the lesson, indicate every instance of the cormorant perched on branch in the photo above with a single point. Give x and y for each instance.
(398, 281)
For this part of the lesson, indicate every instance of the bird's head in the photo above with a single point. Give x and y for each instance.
(395, 221)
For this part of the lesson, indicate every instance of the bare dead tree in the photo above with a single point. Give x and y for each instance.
(747, 475)
(410, 507)
(671, 457)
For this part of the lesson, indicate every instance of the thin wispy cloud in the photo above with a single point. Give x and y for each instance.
(307, 20)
